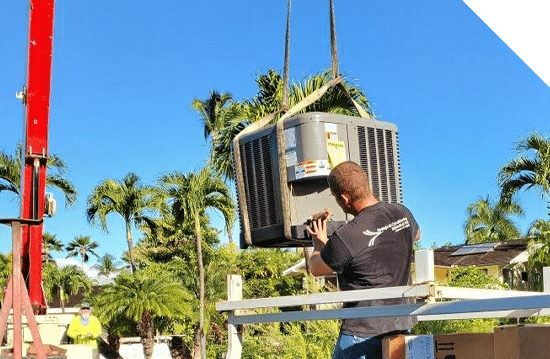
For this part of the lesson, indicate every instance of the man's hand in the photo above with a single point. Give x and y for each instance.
(318, 231)
(319, 236)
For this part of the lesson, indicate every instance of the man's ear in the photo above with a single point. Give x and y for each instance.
(345, 199)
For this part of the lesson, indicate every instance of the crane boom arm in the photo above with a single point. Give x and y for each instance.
(37, 103)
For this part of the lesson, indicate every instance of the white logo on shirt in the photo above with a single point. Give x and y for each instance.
(394, 226)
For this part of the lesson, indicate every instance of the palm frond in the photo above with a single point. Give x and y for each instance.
(530, 169)
(488, 222)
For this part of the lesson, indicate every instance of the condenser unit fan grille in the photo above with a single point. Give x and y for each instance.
(377, 158)
(392, 167)
(257, 168)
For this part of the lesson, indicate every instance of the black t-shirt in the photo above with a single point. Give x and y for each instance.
(374, 250)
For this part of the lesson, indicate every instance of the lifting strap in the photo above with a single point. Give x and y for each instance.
(284, 102)
(334, 62)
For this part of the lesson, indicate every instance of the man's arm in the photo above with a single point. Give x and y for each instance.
(73, 330)
(318, 232)
(95, 327)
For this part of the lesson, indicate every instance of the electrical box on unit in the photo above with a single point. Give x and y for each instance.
(314, 143)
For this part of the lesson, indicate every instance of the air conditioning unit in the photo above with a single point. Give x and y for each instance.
(313, 144)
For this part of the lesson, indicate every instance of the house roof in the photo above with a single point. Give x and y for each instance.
(74, 300)
(503, 253)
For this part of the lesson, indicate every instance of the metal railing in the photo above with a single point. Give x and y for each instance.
(464, 303)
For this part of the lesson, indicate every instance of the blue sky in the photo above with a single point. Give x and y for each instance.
(125, 73)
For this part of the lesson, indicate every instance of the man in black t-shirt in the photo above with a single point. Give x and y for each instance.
(373, 250)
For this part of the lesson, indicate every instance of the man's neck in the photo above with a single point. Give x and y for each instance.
(367, 202)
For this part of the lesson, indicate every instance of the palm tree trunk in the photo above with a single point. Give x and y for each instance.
(147, 333)
(198, 244)
(130, 246)
(230, 237)
(61, 301)
(196, 344)
(114, 340)
(214, 134)
(82, 256)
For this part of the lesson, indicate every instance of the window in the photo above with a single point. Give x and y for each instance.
(524, 276)
(508, 276)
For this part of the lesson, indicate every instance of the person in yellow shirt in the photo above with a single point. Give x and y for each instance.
(84, 328)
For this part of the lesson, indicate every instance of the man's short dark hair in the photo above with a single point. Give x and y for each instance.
(348, 177)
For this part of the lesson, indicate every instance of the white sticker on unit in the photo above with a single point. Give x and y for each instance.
(311, 169)
(331, 131)
(290, 138)
(291, 158)
(330, 127)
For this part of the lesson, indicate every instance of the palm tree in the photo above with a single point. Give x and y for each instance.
(51, 244)
(142, 297)
(64, 282)
(270, 93)
(129, 198)
(220, 153)
(213, 112)
(82, 246)
(539, 256)
(530, 169)
(10, 174)
(234, 117)
(107, 265)
(189, 196)
(491, 223)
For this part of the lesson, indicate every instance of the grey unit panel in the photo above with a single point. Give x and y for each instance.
(372, 144)
(271, 236)
(312, 196)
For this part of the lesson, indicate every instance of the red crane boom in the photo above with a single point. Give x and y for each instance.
(37, 101)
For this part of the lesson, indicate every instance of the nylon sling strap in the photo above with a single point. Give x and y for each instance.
(334, 62)
(284, 104)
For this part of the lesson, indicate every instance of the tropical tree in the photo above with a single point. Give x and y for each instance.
(5, 270)
(130, 199)
(189, 197)
(10, 174)
(64, 282)
(530, 169)
(233, 117)
(262, 270)
(81, 246)
(172, 239)
(213, 112)
(107, 265)
(51, 244)
(488, 222)
(539, 247)
(142, 297)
